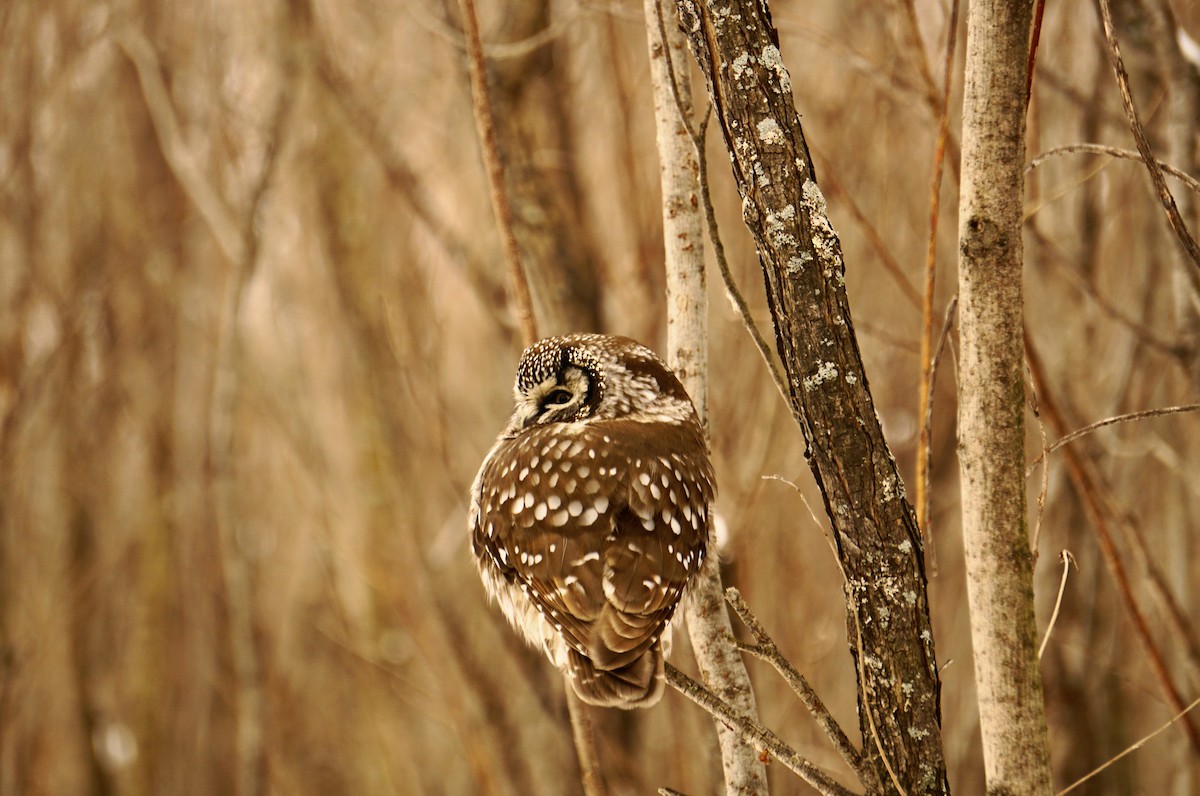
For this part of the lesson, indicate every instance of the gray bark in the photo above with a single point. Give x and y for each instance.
(991, 431)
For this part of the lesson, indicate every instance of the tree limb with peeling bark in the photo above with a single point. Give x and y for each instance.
(878, 544)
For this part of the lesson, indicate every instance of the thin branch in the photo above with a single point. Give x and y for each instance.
(817, 522)
(926, 437)
(859, 647)
(860, 659)
(496, 50)
(1124, 154)
(1035, 38)
(1109, 421)
(1067, 560)
(767, 650)
(486, 130)
(755, 734)
(1131, 749)
(913, 29)
(1167, 410)
(1044, 488)
(585, 744)
(925, 392)
(683, 109)
(1139, 135)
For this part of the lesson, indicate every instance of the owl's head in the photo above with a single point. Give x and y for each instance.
(582, 376)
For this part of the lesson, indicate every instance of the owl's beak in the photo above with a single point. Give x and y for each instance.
(524, 416)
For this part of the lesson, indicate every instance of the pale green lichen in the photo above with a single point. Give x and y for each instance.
(741, 65)
(769, 131)
(824, 239)
(827, 371)
(772, 59)
(778, 226)
(796, 264)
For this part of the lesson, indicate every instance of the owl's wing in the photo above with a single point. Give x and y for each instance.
(601, 525)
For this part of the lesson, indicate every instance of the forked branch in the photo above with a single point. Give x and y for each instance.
(765, 649)
(755, 734)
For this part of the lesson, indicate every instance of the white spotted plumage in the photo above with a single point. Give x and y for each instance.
(589, 516)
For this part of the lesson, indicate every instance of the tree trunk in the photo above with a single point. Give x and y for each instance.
(875, 532)
(991, 429)
(687, 351)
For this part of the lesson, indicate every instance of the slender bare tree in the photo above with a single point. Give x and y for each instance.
(687, 351)
(991, 431)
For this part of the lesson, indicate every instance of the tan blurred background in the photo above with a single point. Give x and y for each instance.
(254, 343)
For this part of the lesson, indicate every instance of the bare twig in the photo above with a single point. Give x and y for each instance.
(924, 397)
(1035, 38)
(1044, 488)
(485, 127)
(1124, 154)
(817, 522)
(1166, 410)
(1067, 560)
(683, 107)
(766, 649)
(1109, 421)
(755, 734)
(585, 744)
(913, 28)
(860, 650)
(860, 661)
(496, 50)
(1139, 135)
(926, 438)
(1177, 623)
(1129, 750)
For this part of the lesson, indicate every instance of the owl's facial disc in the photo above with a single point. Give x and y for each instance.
(562, 398)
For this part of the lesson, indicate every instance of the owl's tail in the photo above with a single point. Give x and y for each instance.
(638, 684)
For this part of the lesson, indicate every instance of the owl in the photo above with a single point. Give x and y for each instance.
(590, 515)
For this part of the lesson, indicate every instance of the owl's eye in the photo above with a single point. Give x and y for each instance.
(557, 396)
